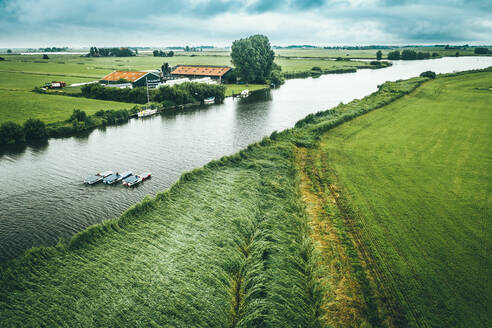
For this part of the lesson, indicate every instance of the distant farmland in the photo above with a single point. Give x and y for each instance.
(20, 74)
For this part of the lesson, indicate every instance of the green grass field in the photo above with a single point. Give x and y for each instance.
(414, 182)
(19, 74)
(365, 54)
(377, 222)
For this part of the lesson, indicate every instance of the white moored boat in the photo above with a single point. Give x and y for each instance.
(245, 93)
(147, 112)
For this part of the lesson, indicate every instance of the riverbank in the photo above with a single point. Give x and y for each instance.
(242, 259)
(234, 232)
(21, 74)
(285, 220)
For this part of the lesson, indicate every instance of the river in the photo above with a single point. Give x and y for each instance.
(43, 198)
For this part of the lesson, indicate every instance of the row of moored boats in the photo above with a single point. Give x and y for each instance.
(110, 178)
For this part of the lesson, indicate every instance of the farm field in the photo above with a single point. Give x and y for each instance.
(22, 73)
(411, 184)
(365, 54)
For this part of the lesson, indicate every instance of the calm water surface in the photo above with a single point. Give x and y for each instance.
(42, 196)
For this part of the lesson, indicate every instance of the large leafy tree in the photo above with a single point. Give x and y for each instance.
(253, 58)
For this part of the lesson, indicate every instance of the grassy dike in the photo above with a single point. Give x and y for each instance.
(250, 240)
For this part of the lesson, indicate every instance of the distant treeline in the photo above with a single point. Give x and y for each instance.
(410, 55)
(110, 52)
(180, 94)
(160, 53)
(482, 51)
(53, 49)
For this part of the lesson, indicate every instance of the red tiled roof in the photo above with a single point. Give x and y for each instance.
(200, 70)
(130, 76)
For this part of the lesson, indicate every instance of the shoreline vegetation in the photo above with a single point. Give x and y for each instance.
(252, 239)
(178, 98)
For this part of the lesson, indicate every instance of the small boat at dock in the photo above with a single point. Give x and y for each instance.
(136, 179)
(93, 179)
(147, 112)
(116, 177)
(210, 100)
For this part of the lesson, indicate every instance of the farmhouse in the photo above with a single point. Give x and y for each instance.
(137, 79)
(216, 73)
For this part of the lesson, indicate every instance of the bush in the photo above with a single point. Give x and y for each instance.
(78, 115)
(429, 74)
(11, 133)
(34, 129)
(408, 55)
(481, 51)
(316, 68)
(277, 78)
(394, 55)
(45, 56)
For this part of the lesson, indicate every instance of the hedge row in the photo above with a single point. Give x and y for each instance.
(180, 94)
(35, 129)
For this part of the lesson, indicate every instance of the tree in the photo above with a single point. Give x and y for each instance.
(9, 51)
(379, 55)
(394, 55)
(11, 133)
(45, 56)
(408, 55)
(253, 58)
(429, 74)
(78, 115)
(481, 51)
(34, 129)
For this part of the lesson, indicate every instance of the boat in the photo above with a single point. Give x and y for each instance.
(210, 100)
(244, 93)
(116, 177)
(146, 112)
(145, 176)
(93, 179)
(132, 181)
(136, 179)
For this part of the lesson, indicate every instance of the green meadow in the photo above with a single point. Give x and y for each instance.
(371, 214)
(19, 74)
(410, 185)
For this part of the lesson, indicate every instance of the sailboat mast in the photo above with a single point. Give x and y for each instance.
(147, 83)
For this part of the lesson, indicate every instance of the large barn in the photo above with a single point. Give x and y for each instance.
(137, 79)
(199, 71)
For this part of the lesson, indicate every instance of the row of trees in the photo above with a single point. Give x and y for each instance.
(179, 94)
(35, 129)
(482, 51)
(13, 133)
(160, 53)
(110, 52)
(409, 55)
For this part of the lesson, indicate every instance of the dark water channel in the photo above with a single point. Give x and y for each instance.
(42, 196)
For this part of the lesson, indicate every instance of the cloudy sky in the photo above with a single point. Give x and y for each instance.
(75, 23)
